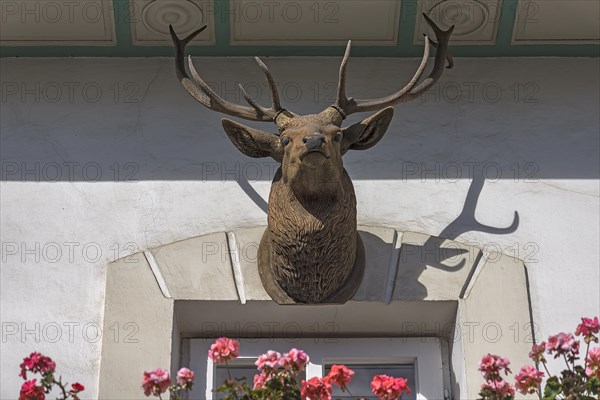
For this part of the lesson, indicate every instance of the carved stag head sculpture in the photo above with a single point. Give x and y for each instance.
(311, 251)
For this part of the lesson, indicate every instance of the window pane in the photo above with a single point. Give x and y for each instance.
(237, 371)
(364, 373)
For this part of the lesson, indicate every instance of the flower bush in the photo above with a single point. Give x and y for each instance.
(276, 379)
(578, 381)
(278, 375)
(37, 363)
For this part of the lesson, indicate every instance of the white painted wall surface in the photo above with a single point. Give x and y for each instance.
(542, 133)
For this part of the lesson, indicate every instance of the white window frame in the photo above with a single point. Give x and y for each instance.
(425, 353)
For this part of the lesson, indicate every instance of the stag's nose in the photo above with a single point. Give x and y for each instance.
(314, 141)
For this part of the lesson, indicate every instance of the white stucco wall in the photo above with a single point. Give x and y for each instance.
(534, 121)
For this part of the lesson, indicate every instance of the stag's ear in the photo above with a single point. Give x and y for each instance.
(368, 132)
(253, 142)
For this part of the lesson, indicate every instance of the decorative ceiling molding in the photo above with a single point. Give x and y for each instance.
(476, 21)
(379, 28)
(314, 23)
(150, 25)
(52, 23)
(557, 21)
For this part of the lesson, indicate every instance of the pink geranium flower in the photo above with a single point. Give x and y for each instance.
(500, 388)
(588, 328)
(261, 379)
(537, 352)
(528, 379)
(340, 375)
(491, 366)
(156, 382)
(271, 359)
(562, 343)
(592, 363)
(37, 362)
(185, 378)
(294, 360)
(316, 389)
(387, 387)
(30, 391)
(223, 350)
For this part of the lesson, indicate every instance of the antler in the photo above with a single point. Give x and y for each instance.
(200, 90)
(347, 106)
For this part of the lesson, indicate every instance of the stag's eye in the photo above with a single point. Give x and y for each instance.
(285, 140)
(338, 136)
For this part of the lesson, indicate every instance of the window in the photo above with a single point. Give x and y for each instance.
(417, 359)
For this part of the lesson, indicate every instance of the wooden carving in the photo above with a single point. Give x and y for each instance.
(311, 251)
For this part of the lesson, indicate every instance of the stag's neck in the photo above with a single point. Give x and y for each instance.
(317, 188)
(328, 193)
(319, 199)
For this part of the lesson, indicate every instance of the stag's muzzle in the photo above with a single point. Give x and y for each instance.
(314, 142)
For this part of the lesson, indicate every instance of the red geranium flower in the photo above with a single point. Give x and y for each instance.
(30, 391)
(316, 389)
(388, 388)
(340, 375)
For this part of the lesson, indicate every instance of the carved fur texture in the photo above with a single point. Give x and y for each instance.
(313, 240)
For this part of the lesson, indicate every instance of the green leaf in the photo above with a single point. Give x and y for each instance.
(593, 385)
(552, 389)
